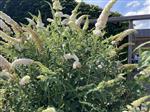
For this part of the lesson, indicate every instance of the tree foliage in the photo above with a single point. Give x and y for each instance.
(20, 9)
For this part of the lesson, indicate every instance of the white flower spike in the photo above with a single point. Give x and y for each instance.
(25, 80)
(68, 56)
(76, 65)
(49, 109)
(21, 62)
(103, 18)
(4, 27)
(31, 22)
(4, 64)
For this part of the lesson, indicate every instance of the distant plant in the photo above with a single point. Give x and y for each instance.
(64, 67)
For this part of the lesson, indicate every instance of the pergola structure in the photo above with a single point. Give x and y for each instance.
(133, 38)
(143, 35)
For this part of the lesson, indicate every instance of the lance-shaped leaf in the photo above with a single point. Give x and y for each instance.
(40, 24)
(86, 24)
(74, 13)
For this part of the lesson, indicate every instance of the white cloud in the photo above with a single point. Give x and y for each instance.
(147, 2)
(141, 11)
(143, 24)
(133, 4)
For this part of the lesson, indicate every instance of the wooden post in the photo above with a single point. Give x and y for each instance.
(130, 39)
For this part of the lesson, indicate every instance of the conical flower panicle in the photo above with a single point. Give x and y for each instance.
(39, 24)
(57, 5)
(8, 38)
(114, 40)
(119, 37)
(138, 102)
(49, 109)
(76, 63)
(22, 61)
(15, 26)
(103, 18)
(25, 80)
(4, 64)
(109, 83)
(8, 19)
(4, 27)
(128, 66)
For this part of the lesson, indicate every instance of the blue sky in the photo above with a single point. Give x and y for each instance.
(127, 8)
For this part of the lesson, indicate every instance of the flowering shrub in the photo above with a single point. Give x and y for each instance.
(65, 67)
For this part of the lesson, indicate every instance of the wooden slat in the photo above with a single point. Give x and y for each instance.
(125, 18)
(128, 18)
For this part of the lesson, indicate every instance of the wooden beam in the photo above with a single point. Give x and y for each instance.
(125, 18)
(129, 18)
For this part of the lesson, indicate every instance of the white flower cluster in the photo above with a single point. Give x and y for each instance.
(4, 27)
(49, 109)
(76, 63)
(103, 18)
(8, 38)
(5, 65)
(31, 22)
(25, 80)
(7, 19)
(56, 5)
(123, 34)
(42, 77)
(39, 24)
(14, 25)
(140, 105)
(21, 62)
